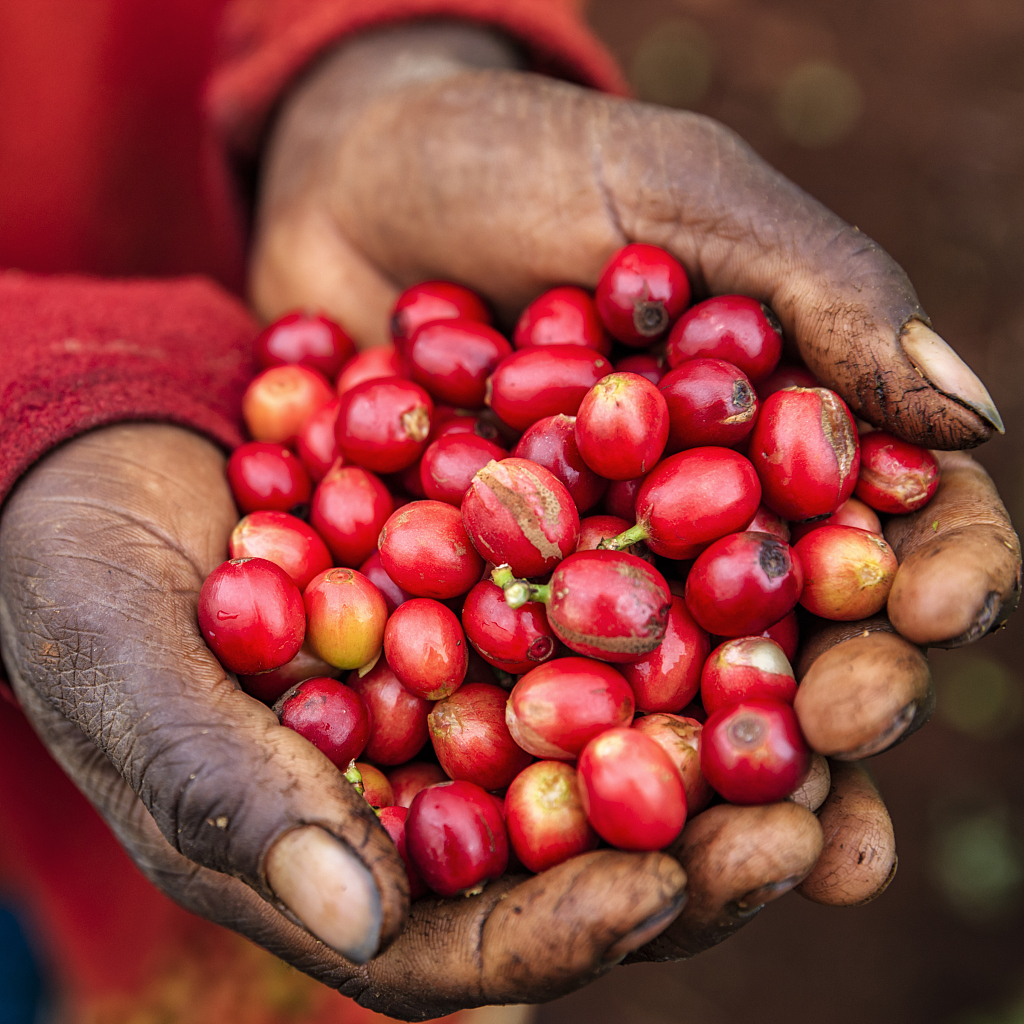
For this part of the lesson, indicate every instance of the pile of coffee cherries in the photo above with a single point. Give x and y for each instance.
(561, 573)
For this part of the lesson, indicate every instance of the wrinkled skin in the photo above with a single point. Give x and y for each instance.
(422, 153)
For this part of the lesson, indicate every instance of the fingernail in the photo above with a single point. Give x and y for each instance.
(947, 372)
(754, 900)
(885, 739)
(328, 889)
(644, 932)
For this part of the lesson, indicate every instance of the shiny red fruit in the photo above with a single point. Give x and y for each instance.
(375, 572)
(349, 508)
(447, 420)
(543, 381)
(425, 549)
(668, 678)
(767, 521)
(562, 316)
(408, 779)
(620, 498)
(317, 444)
(435, 300)
(330, 715)
(309, 339)
(456, 837)
(895, 476)
(595, 529)
(393, 821)
(399, 717)
(452, 359)
(512, 639)
(284, 540)
(622, 426)
(376, 787)
(471, 739)
(545, 817)
(641, 291)
(551, 443)
(345, 617)
(557, 708)
(370, 364)
(735, 328)
(743, 583)
(517, 513)
(647, 365)
(383, 424)
(267, 476)
(852, 512)
(450, 463)
(710, 402)
(268, 686)
(631, 790)
(785, 375)
(278, 402)
(754, 752)
(679, 737)
(806, 453)
(748, 668)
(426, 648)
(786, 633)
(251, 615)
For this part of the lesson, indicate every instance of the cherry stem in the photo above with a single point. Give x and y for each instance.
(519, 592)
(354, 776)
(633, 535)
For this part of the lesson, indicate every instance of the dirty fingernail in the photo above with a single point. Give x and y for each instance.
(947, 372)
(328, 889)
(645, 931)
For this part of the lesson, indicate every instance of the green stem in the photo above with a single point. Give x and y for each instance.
(502, 575)
(354, 776)
(633, 535)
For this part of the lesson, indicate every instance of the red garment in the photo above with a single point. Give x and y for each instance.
(116, 121)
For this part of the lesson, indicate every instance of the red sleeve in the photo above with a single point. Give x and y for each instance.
(268, 42)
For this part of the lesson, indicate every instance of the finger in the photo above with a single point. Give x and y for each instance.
(859, 857)
(960, 569)
(861, 689)
(104, 547)
(737, 859)
(592, 173)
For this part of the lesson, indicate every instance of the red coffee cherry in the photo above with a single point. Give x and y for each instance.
(268, 686)
(456, 837)
(767, 521)
(278, 402)
(452, 359)
(376, 788)
(345, 616)
(435, 300)
(710, 402)
(370, 364)
(595, 530)
(399, 718)
(311, 340)
(392, 593)
(562, 316)
(620, 498)
(392, 820)
(852, 512)
(754, 752)
(735, 328)
(622, 426)
(512, 639)
(749, 668)
(895, 476)
(551, 443)
(785, 375)
(408, 779)
(349, 508)
(743, 583)
(647, 365)
(317, 444)
(251, 615)
(328, 714)
(679, 737)
(806, 453)
(545, 817)
(267, 476)
(631, 790)
(641, 291)
(450, 463)
(284, 540)
(426, 648)
(383, 424)
(786, 633)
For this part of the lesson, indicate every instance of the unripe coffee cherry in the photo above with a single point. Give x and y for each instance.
(346, 615)
(278, 402)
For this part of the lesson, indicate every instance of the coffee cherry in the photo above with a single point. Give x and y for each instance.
(349, 508)
(622, 426)
(284, 540)
(448, 420)
(806, 453)
(786, 633)
(370, 364)
(735, 328)
(268, 686)
(754, 752)
(562, 316)
(471, 739)
(545, 817)
(895, 476)
(426, 648)
(852, 512)
(311, 340)
(267, 477)
(785, 375)
(278, 402)
(645, 364)
(710, 402)
(848, 573)
(392, 820)
(456, 837)
(399, 718)
(317, 444)
(435, 300)
(250, 614)
(557, 708)
(383, 424)
(767, 521)
(620, 498)
(631, 790)
(450, 463)
(551, 443)
(452, 359)
(392, 593)
(543, 381)
(749, 668)
(425, 549)
(408, 779)
(512, 639)
(376, 789)
(641, 291)
(594, 530)
(679, 737)
(328, 714)
(519, 514)
(743, 583)
(345, 614)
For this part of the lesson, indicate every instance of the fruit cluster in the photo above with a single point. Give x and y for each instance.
(419, 524)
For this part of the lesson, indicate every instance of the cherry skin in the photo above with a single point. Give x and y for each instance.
(786, 633)
(251, 615)
(311, 340)
(330, 715)
(426, 648)
(383, 424)
(620, 498)
(393, 820)
(594, 530)
(767, 521)
(852, 512)
(785, 375)
(895, 476)
(268, 686)
(452, 359)
(392, 593)
(434, 300)
(345, 616)
(278, 402)
(679, 737)
(754, 752)
(349, 508)
(267, 476)
(644, 363)
(370, 364)
(317, 444)
(551, 443)
(512, 639)
(748, 668)
(450, 463)
(641, 291)
(562, 316)
(710, 402)
(284, 540)
(399, 717)
(408, 779)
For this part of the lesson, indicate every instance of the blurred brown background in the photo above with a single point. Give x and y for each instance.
(907, 118)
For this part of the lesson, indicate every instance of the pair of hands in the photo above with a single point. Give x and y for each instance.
(420, 153)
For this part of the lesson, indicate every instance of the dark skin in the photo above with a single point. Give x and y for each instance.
(419, 153)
